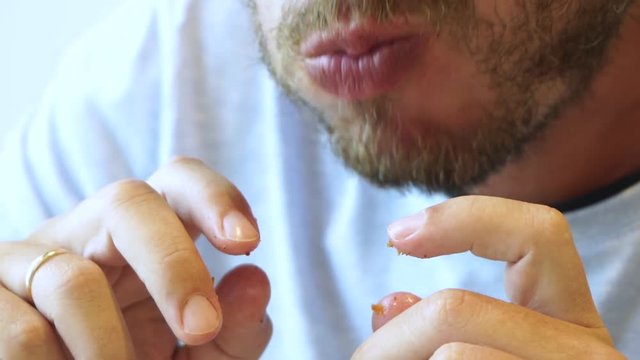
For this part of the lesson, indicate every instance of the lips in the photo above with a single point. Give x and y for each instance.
(363, 61)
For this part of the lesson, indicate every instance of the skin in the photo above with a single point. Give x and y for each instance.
(589, 141)
(567, 163)
(391, 306)
(551, 314)
(122, 290)
(450, 100)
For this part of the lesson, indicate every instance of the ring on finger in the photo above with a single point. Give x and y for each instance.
(35, 265)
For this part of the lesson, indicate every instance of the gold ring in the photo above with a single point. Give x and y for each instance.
(36, 264)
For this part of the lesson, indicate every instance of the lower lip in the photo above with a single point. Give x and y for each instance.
(368, 75)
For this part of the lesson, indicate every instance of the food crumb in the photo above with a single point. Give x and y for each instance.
(377, 309)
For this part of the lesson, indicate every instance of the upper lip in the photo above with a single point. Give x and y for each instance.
(355, 39)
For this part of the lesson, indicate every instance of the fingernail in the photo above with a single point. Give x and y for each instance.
(238, 228)
(404, 228)
(199, 316)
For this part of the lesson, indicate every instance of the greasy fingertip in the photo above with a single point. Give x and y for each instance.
(391, 306)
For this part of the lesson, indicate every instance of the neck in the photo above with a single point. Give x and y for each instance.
(594, 143)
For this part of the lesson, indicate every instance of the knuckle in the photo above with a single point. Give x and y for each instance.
(214, 184)
(222, 192)
(451, 308)
(27, 334)
(556, 221)
(553, 224)
(177, 258)
(129, 192)
(432, 216)
(79, 276)
(181, 266)
(434, 213)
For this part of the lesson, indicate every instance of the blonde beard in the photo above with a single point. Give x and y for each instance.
(370, 140)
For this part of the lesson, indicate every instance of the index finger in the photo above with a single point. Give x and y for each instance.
(207, 202)
(152, 240)
(544, 270)
(150, 226)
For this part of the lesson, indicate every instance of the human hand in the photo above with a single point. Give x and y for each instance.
(132, 282)
(552, 314)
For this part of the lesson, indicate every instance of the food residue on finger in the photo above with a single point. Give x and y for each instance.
(391, 246)
(391, 306)
(377, 309)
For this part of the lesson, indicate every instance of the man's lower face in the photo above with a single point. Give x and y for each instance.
(436, 94)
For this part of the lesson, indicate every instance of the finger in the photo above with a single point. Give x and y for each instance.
(73, 293)
(391, 306)
(204, 201)
(462, 351)
(130, 223)
(25, 334)
(152, 239)
(208, 202)
(544, 271)
(244, 294)
(460, 316)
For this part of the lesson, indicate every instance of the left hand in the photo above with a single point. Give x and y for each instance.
(552, 314)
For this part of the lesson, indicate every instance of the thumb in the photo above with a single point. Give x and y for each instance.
(391, 306)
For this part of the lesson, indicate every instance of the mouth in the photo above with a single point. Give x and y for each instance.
(364, 60)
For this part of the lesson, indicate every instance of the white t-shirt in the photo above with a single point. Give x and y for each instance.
(184, 77)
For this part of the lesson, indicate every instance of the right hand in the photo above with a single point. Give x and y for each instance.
(123, 291)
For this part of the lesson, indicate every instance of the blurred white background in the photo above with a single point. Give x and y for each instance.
(33, 36)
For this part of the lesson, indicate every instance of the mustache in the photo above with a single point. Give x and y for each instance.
(299, 20)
